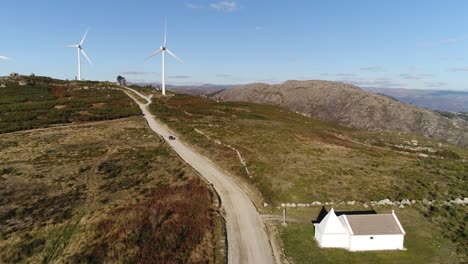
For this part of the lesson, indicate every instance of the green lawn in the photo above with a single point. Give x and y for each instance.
(424, 243)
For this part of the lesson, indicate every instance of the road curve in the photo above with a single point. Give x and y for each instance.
(247, 240)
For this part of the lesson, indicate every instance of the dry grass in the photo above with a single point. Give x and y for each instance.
(297, 159)
(93, 193)
(294, 158)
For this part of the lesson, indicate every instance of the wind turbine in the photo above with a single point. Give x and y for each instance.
(163, 50)
(80, 50)
(4, 58)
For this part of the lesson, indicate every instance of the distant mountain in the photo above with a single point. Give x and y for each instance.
(452, 101)
(349, 105)
(196, 90)
(205, 89)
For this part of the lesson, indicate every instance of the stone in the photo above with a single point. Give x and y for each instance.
(384, 202)
(405, 201)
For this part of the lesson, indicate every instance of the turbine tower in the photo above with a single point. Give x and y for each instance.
(163, 49)
(80, 50)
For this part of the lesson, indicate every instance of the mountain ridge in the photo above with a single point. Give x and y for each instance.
(352, 106)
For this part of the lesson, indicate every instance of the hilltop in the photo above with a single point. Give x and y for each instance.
(351, 106)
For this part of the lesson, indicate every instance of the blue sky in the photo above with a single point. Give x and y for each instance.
(406, 44)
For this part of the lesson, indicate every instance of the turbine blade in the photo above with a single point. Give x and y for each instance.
(154, 54)
(4, 58)
(86, 56)
(173, 55)
(84, 37)
(71, 46)
(165, 30)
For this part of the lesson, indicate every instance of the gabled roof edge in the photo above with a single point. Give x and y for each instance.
(398, 222)
(348, 226)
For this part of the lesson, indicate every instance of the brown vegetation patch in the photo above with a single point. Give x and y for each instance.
(104, 192)
(58, 90)
(165, 228)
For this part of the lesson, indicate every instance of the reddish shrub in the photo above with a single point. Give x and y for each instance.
(166, 228)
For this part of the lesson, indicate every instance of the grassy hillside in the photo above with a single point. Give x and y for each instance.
(293, 158)
(41, 102)
(101, 194)
(298, 159)
(108, 192)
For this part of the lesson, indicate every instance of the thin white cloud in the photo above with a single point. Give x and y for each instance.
(452, 58)
(138, 73)
(225, 6)
(346, 74)
(223, 76)
(376, 82)
(192, 6)
(414, 68)
(435, 84)
(465, 69)
(418, 76)
(180, 77)
(443, 42)
(258, 28)
(373, 68)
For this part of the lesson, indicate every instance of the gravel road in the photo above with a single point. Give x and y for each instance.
(247, 239)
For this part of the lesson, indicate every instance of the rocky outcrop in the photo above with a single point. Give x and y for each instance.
(349, 105)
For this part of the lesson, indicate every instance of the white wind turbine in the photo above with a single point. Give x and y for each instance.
(163, 50)
(80, 50)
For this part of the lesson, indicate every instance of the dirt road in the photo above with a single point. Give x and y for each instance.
(247, 240)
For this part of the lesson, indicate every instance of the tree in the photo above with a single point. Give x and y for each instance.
(121, 80)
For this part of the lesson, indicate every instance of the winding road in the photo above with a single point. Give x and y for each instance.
(247, 239)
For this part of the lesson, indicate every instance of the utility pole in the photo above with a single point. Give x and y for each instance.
(284, 217)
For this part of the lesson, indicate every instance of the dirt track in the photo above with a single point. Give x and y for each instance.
(247, 239)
